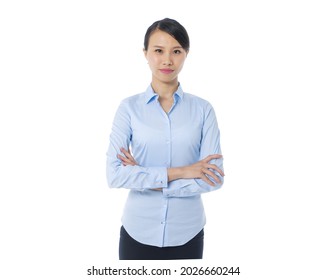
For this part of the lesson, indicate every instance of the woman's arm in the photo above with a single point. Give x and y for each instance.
(196, 178)
(130, 176)
(199, 170)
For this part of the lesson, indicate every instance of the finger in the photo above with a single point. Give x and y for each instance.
(211, 157)
(126, 161)
(207, 180)
(123, 159)
(126, 153)
(213, 166)
(212, 175)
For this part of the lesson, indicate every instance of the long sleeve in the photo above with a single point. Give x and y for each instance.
(210, 144)
(130, 177)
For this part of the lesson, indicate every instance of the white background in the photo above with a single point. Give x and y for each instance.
(65, 66)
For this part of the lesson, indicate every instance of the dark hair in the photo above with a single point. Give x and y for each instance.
(173, 28)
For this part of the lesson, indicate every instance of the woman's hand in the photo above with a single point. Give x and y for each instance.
(127, 159)
(199, 170)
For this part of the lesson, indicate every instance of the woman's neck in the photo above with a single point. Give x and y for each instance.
(164, 90)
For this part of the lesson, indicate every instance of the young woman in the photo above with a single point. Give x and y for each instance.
(175, 156)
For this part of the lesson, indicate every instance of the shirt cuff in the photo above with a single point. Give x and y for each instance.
(181, 187)
(161, 177)
(189, 187)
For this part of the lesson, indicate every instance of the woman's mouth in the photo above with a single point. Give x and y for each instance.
(166, 71)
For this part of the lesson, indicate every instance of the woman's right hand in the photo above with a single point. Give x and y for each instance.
(199, 170)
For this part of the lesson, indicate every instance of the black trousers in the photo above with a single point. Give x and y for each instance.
(130, 249)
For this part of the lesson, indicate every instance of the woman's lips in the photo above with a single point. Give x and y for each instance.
(166, 71)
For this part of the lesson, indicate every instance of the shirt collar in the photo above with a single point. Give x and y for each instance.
(151, 95)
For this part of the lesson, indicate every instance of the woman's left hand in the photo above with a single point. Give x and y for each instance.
(127, 159)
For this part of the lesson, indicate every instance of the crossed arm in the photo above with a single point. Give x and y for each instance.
(202, 176)
(199, 170)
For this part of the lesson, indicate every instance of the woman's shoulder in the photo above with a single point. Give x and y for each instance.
(200, 101)
(132, 99)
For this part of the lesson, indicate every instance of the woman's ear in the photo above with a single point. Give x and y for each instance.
(145, 53)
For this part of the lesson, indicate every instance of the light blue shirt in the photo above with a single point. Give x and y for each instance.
(159, 140)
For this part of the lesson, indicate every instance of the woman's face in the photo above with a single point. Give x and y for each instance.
(165, 57)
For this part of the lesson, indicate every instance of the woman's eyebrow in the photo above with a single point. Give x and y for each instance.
(157, 46)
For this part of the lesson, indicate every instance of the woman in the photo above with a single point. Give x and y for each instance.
(174, 139)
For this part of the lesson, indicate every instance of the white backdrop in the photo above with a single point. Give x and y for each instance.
(65, 66)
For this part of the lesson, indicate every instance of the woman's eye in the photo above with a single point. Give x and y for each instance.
(158, 50)
(177, 51)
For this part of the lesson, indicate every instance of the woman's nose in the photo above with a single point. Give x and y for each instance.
(167, 60)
